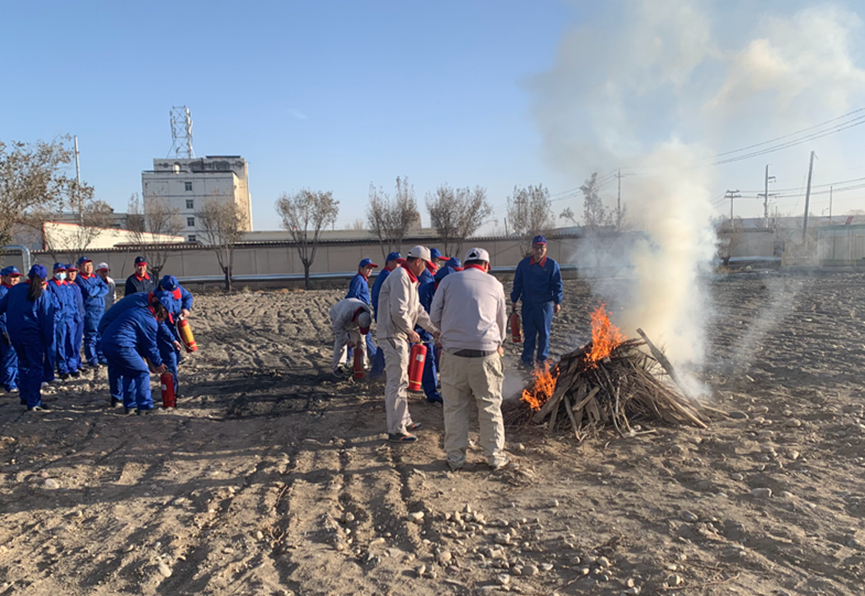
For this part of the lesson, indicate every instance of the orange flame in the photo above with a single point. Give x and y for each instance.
(542, 389)
(605, 335)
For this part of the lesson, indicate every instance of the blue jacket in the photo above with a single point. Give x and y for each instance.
(60, 300)
(76, 301)
(28, 322)
(376, 290)
(425, 277)
(359, 288)
(139, 300)
(4, 289)
(135, 329)
(425, 295)
(536, 284)
(145, 285)
(182, 297)
(93, 290)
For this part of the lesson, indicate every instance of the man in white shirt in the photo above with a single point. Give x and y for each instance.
(111, 297)
(471, 311)
(399, 310)
(350, 319)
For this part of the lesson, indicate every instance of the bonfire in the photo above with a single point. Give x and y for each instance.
(611, 381)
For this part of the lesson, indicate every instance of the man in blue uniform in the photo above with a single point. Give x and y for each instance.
(74, 323)
(126, 342)
(55, 361)
(428, 274)
(9, 277)
(30, 323)
(358, 288)
(140, 281)
(168, 339)
(538, 283)
(429, 381)
(93, 290)
(391, 263)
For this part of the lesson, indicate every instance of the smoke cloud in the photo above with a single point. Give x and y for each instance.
(656, 87)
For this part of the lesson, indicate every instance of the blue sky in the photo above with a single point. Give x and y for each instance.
(328, 95)
(334, 95)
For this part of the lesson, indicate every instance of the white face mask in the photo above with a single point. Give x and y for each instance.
(61, 275)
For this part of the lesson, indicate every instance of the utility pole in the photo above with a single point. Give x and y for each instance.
(808, 197)
(77, 166)
(619, 201)
(732, 194)
(830, 204)
(766, 196)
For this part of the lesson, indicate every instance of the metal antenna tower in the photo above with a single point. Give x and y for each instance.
(181, 132)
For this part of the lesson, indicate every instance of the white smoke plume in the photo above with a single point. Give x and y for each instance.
(656, 87)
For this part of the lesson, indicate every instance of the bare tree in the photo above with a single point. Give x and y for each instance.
(390, 219)
(530, 213)
(32, 178)
(456, 214)
(223, 224)
(153, 216)
(358, 225)
(305, 214)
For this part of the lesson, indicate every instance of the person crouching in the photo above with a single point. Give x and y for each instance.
(350, 318)
(131, 335)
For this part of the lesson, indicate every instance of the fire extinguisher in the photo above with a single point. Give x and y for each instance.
(359, 373)
(185, 332)
(415, 366)
(169, 400)
(516, 332)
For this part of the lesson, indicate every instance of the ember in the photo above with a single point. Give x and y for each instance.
(609, 381)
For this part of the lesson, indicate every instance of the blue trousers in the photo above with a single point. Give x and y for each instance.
(31, 360)
(74, 334)
(8, 367)
(430, 373)
(91, 337)
(537, 320)
(169, 355)
(128, 378)
(55, 360)
(377, 364)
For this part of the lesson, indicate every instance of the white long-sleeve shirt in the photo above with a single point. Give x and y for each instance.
(399, 309)
(471, 311)
(342, 317)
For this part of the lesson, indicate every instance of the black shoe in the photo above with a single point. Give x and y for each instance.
(144, 412)
(63, 376)
(115, 402)
(401, 438)
(75, 374)
(435, 399)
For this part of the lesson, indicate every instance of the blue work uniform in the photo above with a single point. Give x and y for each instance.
(539, 286)
(31, 330)
(93, 290)
(74, 328)
(130, 338)
(358, 288)
(425, 277)
(8, 357)
(378, 358)
(168, 333)
(54, 357)
(429, 380)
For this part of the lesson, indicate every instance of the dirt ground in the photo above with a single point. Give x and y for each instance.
(272, 479)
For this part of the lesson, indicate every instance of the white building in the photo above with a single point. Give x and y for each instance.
(188, 183)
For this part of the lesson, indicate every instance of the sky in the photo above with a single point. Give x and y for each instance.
(336, 95)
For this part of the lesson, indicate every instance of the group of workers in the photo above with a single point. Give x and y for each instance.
(46, 324)
(458, 310)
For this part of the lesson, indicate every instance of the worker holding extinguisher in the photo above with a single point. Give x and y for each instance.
(170, 347)
(350, 318)
(126, 343)
(399, 312)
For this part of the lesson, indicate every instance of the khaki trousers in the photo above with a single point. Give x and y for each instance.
(340, 343)
(480, 380)
(396, 356)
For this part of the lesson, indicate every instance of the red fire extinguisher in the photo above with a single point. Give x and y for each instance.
(516, 332)
(359, 373)
(415, 366)
(186, 336)
(169, 400)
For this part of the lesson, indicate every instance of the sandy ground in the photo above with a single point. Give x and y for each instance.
(270, 478)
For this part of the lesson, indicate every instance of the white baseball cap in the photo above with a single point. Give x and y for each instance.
(420, 252)
(477, 254)
(102, 266)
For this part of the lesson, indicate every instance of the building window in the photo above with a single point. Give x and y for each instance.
(192, 237)
(190, 221)
(188, 186)
(189, 204)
